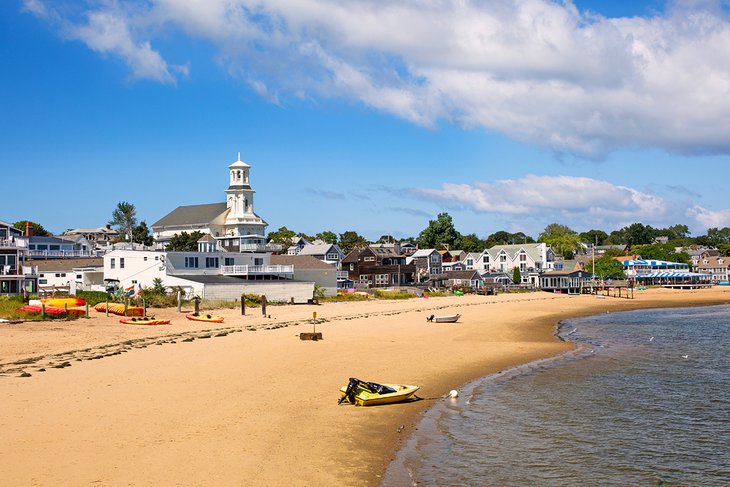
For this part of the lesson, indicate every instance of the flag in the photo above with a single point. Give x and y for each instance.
(129, 291)
(138, 290)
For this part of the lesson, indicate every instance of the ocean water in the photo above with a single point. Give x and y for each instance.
(643, 400)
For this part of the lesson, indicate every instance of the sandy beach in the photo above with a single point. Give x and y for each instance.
(245, 402)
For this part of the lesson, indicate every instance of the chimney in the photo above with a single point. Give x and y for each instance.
(28, 230)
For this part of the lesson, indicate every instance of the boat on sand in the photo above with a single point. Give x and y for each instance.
(202, 317)
(444, 319)
(363, 393)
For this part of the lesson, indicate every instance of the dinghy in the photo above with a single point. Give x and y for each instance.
(208, 318)
(143, 321)
(444, 319)
(363, 393)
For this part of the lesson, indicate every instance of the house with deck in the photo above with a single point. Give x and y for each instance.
(16, 275)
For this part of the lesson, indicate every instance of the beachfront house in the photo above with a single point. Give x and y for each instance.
(16, 276)
(531, 259)
(376, 266)
(298, 243)
(714, 264)
(210, 275)
(429, 267)
(568, 281)
(463, 278)
(70, 275)
(310, 269)
(664, 273)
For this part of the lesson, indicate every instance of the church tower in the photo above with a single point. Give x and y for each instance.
(241, 219)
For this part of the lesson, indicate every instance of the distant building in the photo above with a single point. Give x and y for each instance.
(233, 223)
(98, 237)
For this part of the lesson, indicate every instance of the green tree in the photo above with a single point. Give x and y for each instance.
(124, 217)
(283, 236)
(184, 242)
(607, 267)
(724, 249)
(714, 237)
(141, 234)
(470, 243)
(516, 276)
(350, 240)
(439, 233)
(35, 228)
(385, 239)
(638, 234)
(660, 252)
(594, 237)
(499, 238)
(561, 239)
(327, 237)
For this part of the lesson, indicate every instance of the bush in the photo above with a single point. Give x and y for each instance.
(93, 297)
(381, 294)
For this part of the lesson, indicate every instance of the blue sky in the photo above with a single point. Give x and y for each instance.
(510, 115)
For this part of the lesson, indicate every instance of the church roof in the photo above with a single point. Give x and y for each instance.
(238, 163)
(191, 215)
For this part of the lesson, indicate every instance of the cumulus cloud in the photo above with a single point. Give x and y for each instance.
(585, 202)
(710, 218)
(535, 70)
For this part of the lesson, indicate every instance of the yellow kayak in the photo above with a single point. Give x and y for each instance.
(202, 317)
(363, 393)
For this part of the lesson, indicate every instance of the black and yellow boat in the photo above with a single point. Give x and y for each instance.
(363, 393)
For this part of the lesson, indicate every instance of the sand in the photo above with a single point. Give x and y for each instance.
(245, 402)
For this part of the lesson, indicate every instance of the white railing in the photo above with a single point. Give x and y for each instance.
(244, 270)
(21, 243)
(65, 253)
(343, 275)
(260, 247)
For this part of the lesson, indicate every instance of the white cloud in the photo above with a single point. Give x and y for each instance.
(582, 202)
(710, 218)
(534, 70)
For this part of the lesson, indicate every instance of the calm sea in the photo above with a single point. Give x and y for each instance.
(644, 400)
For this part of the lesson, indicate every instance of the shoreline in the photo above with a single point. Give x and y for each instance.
(261, 406)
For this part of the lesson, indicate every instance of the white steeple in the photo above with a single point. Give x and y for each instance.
(239, 200)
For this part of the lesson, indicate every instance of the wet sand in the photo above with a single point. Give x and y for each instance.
(245, 402)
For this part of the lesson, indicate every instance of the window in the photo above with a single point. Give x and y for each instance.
(211, 262)
(381, 279)
(42, 281)
(486, 259)
(258, 261)
(157, 257)
(58, 275)
(369, 259)
(79, 276)
(523, 257)
(434, 258)
(42, 275)
(332, 256)
(121, 262)
(63, 274)
(364, 278)
(228, 261)
(55, 247)
(145, 258)
(191, 262)
(503, 258)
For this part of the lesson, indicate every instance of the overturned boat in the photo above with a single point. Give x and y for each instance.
(444, 319)
(362, 393)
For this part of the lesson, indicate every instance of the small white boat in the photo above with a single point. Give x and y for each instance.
(444, 319)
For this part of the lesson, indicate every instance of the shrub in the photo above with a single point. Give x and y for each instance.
(93, 297)
(381, 294)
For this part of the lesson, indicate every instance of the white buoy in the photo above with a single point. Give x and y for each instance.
(453, 393)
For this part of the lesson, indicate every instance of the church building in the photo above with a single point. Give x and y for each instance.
(232, 225)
